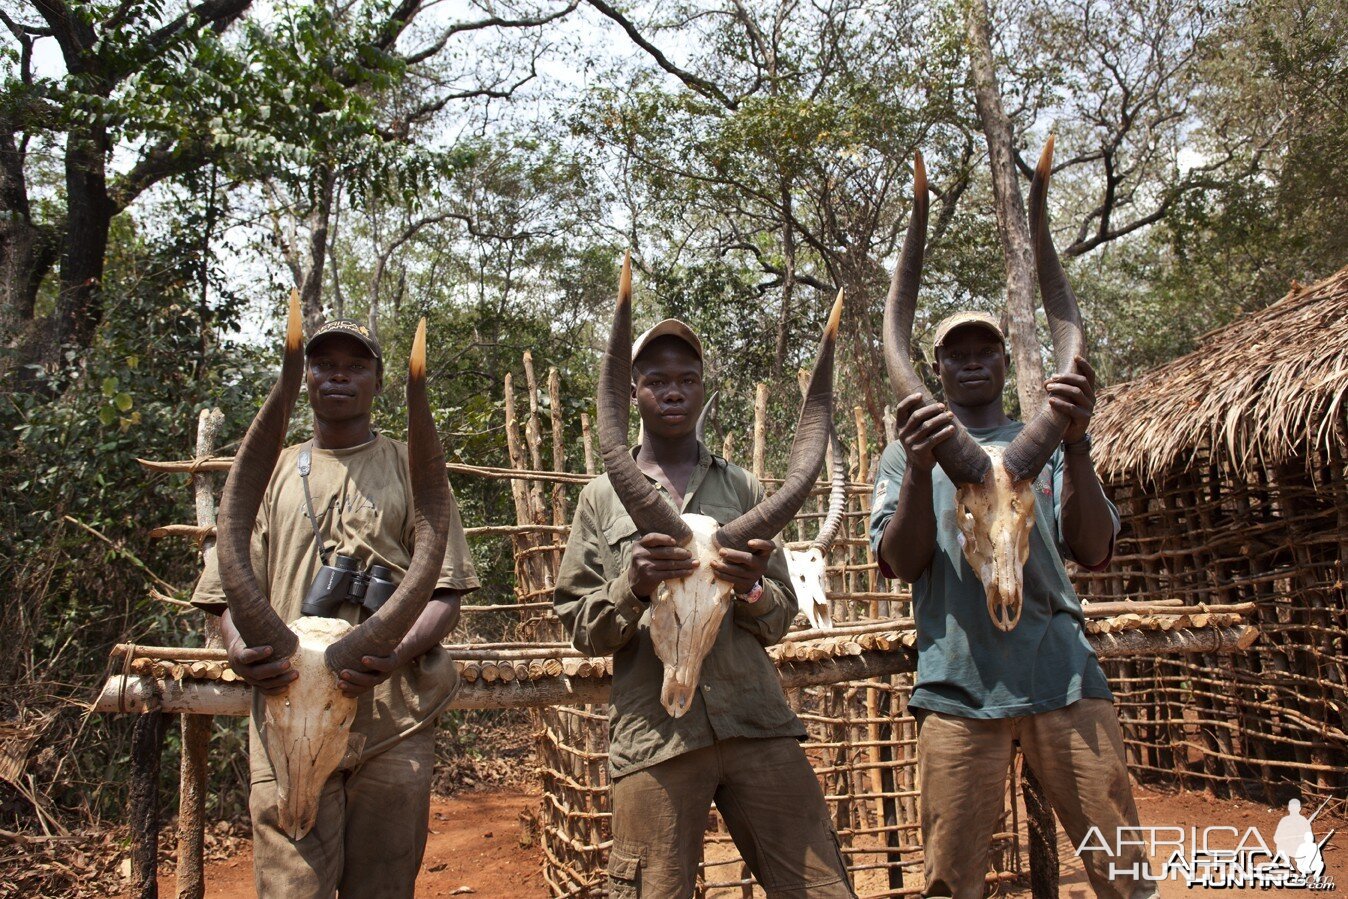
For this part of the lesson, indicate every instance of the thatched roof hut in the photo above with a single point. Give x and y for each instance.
(1262, 390)
(1230, 470)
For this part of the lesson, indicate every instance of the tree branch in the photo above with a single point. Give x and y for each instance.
(700, 85)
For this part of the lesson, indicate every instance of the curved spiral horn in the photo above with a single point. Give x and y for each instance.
(253, 615)
(1029, 452)
(381, 633)
(767, 519)
(708, 410)
(649, 512)
(837, 496)
(960, 457)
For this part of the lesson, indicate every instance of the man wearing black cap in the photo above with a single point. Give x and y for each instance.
(374, 811)
(980, 689)
(738, 743)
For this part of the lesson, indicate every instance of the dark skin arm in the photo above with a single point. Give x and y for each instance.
(255, 666)
(1087, 526)
(656, 558)
(909, 539)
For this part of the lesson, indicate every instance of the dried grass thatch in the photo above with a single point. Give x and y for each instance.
(1264, 389)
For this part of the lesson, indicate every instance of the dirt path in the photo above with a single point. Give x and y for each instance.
(474, 843)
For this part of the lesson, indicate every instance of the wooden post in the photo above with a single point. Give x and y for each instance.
(863, 451)
(559, 516)
(1043, 835)
(587, 441)
(196, 729)
(760, 431)
(147, 742)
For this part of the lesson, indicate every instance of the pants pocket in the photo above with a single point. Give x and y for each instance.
(624, 873)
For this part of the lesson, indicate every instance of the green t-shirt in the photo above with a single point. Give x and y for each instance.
(965, 665)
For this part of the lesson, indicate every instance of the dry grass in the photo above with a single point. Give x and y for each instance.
(1265, 389)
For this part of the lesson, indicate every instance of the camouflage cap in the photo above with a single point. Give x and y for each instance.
(348, 328)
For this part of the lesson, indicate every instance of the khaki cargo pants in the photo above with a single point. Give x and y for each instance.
(1077, 753)
(770, 800)
(369, 837)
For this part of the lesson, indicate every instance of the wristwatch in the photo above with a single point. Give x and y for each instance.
(753, 595)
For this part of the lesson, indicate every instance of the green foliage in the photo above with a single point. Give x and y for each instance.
(71, 468)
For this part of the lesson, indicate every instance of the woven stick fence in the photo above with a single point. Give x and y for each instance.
(1229, 469)
(850, 685)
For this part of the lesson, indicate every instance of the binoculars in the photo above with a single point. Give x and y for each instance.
(344, 581)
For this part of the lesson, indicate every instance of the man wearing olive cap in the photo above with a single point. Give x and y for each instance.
(374, 810)
(979, 689)
(738, 745)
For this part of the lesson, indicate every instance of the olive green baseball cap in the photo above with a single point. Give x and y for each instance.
(670, 327)
(981, 320)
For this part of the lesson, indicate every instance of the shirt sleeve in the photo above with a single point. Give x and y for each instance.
(885, 500)
(1059, 466)
(770, 617)
(209, 595)
(600, 613)
(457, 572)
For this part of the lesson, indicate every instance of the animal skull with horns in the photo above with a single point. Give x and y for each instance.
(994, 497)
(686, 613)
(305, 729)
(807, 566)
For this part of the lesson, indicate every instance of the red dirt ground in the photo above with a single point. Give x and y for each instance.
(474, 843)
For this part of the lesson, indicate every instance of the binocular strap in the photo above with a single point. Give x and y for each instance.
(302, 464)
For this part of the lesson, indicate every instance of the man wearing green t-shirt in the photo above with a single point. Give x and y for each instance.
(374, 811)
(980, 689)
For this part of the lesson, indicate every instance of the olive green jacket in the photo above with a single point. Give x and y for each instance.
(740, 693)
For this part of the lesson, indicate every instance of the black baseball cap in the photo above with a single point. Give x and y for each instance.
(348, 328)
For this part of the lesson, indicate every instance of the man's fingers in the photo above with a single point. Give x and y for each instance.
(251, 655)
(379, 663)
(939, 437)
(1070, 393)
(361, 678)
(759, 547)
(732, 572)
(653, 540)
(1084, 368)
(735, 557)
(268, 670)
(1069, 409)
(669, 553)
(686, 565)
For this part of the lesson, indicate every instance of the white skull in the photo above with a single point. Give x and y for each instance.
(306, 729)
(685, 617)
(994, 519)
(811, 584)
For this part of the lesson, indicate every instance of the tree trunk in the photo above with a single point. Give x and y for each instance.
(89, 214)
(1012, 226)
(27, 250)
(788, 281)
(311, 285)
